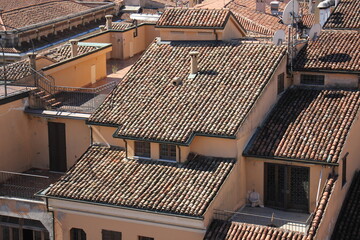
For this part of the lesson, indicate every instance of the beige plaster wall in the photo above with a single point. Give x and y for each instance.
(103, 135)
(77, 136)
(332, 79)
(232, 30)
(77, 73)
(130, 230)
(337, 197)
(216, 147)
(14, 140)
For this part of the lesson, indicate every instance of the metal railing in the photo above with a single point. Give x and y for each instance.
(22, 185)
(270, 221)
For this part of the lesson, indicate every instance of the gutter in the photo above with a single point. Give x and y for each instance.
(327, 71)
(42, 194)
(316, 162)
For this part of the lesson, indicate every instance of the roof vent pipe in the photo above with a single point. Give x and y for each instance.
(74, 47)
(176, 81)
(194, 62)
(260, 5)
(108, 22)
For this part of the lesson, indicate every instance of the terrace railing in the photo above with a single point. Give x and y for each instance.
(270, 221)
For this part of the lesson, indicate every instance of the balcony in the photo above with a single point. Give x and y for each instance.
(270, 217)
(25, 185)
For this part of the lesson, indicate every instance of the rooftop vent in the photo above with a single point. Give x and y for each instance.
(176, 81)
(274, 7)
(74, 47)
(109, 22)
(194, 62)
(102, 28)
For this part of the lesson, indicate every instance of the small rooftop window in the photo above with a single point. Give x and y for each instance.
(168, 152)
(142, 149)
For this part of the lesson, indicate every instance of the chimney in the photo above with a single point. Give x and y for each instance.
(102, 28)
(108, 22)
(260, 5)
(194, 62)
(74, 47)
(32, 60)
(317, 11)
(274, 5)
(191, 3)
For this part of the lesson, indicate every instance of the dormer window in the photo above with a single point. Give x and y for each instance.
(142, 149)
(168, 152)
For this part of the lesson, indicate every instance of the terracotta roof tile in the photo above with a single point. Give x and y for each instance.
(348, 223)
(8, 5)
(246, 9)
(345, 16)
(332, 51)
(63, 52)
(41, 12)
(16, 71)
(194, 18)
(307, 124)
(221, 230)
(104, 175)
(321, 207)
(146, 104)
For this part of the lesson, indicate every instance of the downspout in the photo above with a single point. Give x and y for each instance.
(91, 135)
(126, 148)
(53, 217)
(216, 35)
(319, 185)
(179, 149)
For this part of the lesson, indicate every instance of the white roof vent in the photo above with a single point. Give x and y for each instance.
(274, 7)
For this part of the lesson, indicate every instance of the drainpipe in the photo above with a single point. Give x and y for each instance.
(53, 217)
(319, 185)
(126, 148)
(91, 135)
(216, 35)
(179, 150)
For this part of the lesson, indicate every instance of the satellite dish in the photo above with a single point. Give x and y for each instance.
(291, 7)
(315, 31)
(279, 37)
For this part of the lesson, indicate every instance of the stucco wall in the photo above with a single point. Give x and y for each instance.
(77, 73)
(77, 136)
(332, 79)
(130, 229)
(15, 139)
(339, 193)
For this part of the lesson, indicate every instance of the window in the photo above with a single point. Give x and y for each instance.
(344, 169)
(145, 238)
(111, 235)
(77, 234)
(312, 79)
(280, 83)
(142, 149)
(168, 151)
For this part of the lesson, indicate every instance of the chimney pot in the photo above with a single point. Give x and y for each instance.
(74, 47)
(109, 22)
(194, 62)
(32, 60)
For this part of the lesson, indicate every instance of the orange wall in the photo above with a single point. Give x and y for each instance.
(332, 79)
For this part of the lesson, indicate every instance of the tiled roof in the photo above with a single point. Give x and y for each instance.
(245, 10)
(8, 5)
(16, 70)
(122, 25)
(345, 16)
(194, 18)
(332, 51)
(104, 175)
(227, 230)
(41, 12)
(348, 223)
(307, 124)
(146, 104)
(64, 52)
(321, 207)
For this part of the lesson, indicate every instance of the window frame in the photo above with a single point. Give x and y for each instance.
(112, 235)
(80, 234)
(166, 153)
(142, 149)
(145, 238)
(343, 170)
(280, 83)
(312, 79)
